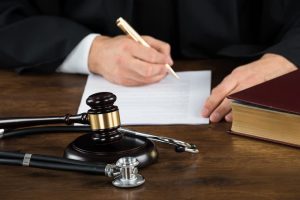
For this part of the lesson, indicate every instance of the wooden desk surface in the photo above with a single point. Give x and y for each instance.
(227, 167)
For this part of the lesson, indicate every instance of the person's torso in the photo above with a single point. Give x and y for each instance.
(195, 28)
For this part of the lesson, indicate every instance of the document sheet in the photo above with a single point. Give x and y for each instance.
(169, 101)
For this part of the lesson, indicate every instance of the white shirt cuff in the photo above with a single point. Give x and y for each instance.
(77, 61)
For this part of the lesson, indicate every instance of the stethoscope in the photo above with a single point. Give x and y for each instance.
(104, 117)
(124, 172)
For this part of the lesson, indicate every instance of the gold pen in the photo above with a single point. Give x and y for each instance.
(124, 26)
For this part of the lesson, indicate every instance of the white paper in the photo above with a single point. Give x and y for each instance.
(171, 101)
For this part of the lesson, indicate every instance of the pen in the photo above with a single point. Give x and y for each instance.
(124, 26)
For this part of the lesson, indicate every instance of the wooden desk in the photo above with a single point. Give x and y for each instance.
(227, 167)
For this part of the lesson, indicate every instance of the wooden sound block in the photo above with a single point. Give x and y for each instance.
(86, 148)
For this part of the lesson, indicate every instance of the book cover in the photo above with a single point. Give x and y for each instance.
(281, 94)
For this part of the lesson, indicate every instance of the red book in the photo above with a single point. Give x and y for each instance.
(270, 110)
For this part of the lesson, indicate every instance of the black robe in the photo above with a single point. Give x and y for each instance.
(37, 35)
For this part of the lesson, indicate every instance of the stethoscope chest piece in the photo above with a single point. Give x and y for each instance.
(129, 176)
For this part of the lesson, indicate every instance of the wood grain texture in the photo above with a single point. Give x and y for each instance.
(227, 167)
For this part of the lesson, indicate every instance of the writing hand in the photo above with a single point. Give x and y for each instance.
(217, 106)
(123, 61)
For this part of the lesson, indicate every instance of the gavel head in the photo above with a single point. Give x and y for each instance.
(103, 115)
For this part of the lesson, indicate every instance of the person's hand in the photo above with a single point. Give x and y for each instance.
(217, 106)
(123, 61)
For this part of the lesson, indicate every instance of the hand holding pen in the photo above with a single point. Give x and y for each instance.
(124, 61)
(122, 24)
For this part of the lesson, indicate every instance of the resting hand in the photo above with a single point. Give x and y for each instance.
(123, 61)
(217, 106)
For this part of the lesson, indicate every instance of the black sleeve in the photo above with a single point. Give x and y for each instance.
(33, 42)
(287, 41)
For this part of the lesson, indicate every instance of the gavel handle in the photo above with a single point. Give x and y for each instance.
(34, 121)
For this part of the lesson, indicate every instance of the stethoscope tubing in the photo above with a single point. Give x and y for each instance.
(44, 158)
(51, 162)
(47, 129)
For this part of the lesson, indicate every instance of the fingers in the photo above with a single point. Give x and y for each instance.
(137, 81)
(133, 82)
(228, 117)
(152, 80)
(149, 55)
(218, 94)
(146, 73)
(222, 110)
(161, 47)
(147, 70)
(136, 72)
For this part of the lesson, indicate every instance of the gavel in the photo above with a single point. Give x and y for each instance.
(103, 141)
